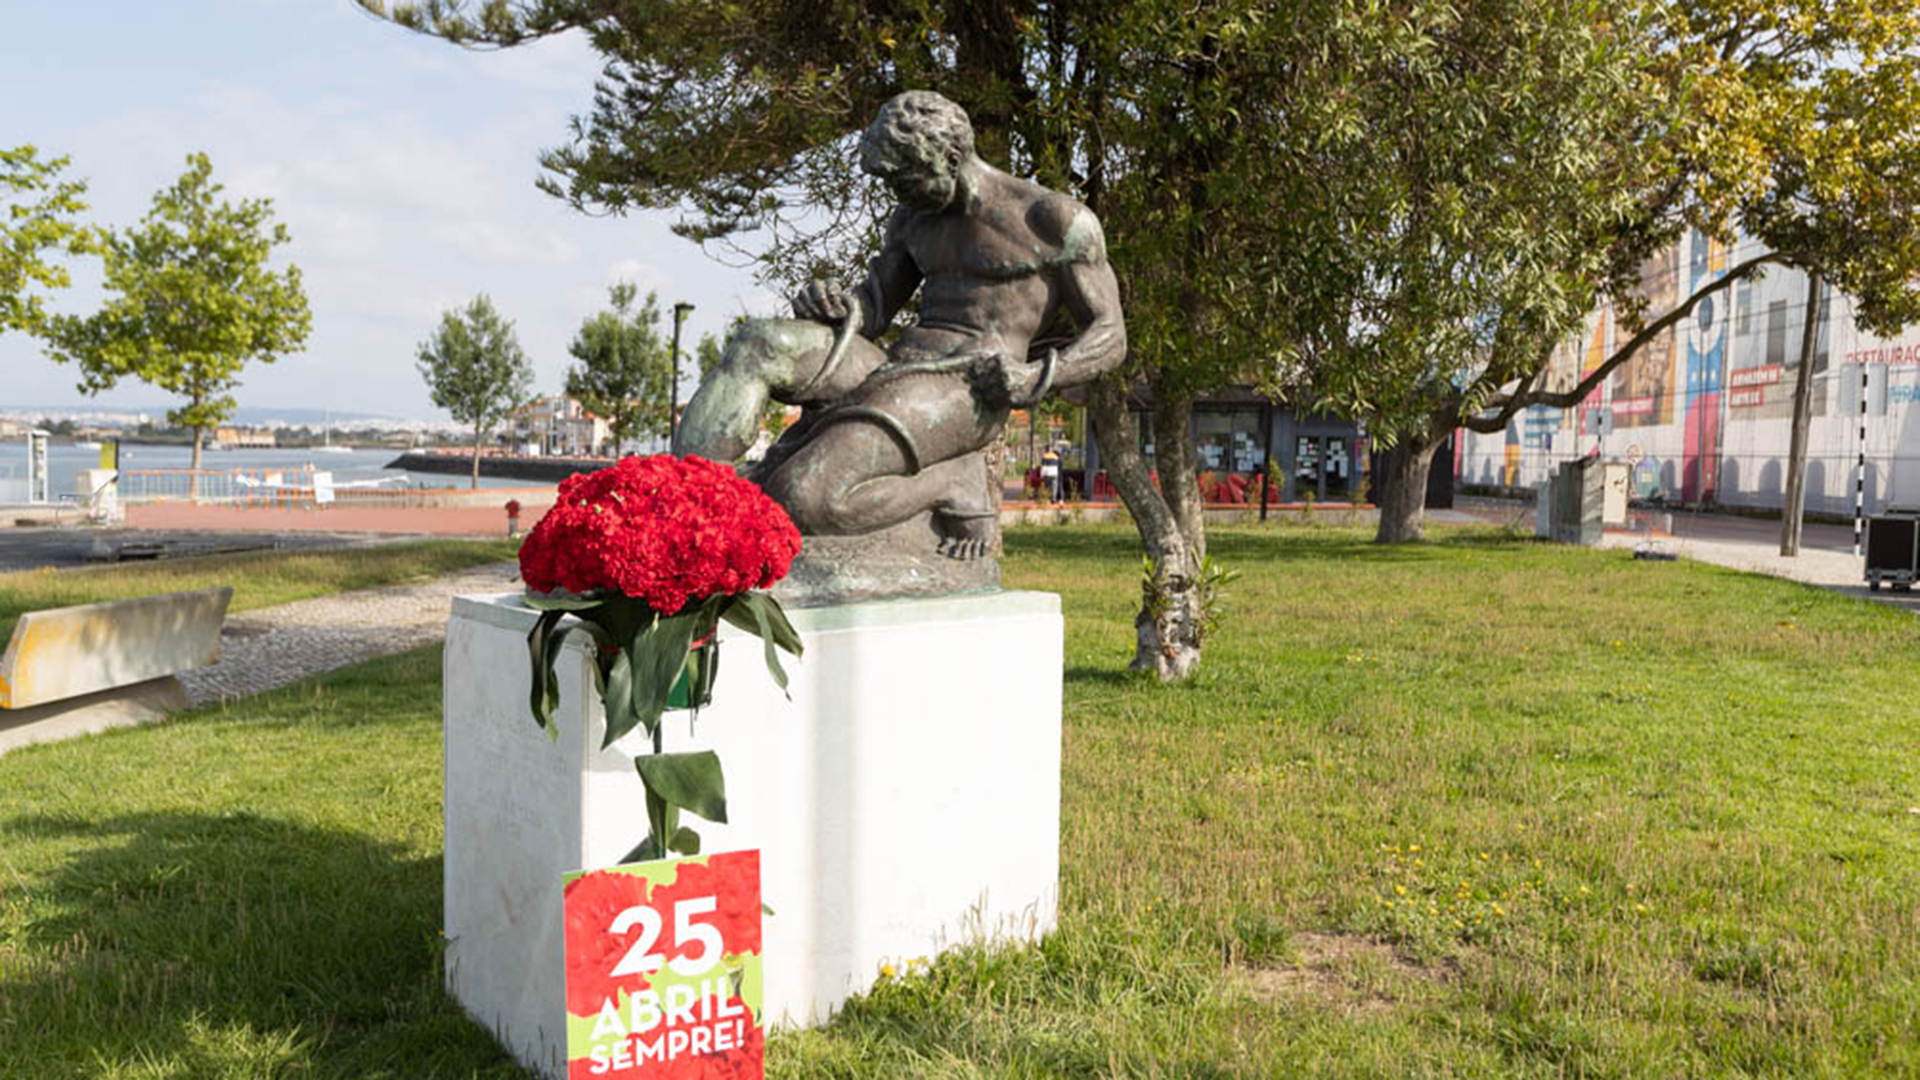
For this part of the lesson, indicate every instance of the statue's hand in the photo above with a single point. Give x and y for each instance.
(823, 301)
(998, 378)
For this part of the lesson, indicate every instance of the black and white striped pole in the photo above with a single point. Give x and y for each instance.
(1860, 467)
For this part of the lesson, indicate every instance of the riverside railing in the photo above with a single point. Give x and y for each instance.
(284, 488)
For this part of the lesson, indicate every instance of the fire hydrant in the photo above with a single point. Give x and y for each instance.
(513, 518)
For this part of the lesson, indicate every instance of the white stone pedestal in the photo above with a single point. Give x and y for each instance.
(907, 799)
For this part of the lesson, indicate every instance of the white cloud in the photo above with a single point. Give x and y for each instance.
(402, 167)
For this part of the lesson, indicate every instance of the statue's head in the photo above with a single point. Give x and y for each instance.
(916, 147)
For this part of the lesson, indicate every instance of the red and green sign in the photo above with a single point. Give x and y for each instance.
(663, 970)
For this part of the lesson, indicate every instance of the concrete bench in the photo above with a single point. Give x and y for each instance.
(72, 670)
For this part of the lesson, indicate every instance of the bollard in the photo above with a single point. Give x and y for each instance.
(513, 518)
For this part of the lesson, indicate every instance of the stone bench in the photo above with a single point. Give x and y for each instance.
(72, 670)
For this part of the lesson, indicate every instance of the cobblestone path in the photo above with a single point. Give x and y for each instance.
(270, 647)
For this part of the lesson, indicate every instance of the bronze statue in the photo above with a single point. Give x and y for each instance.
(1016, 298)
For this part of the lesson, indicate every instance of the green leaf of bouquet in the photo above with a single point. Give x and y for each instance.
(538, 698)
(704, 673)
(556, 640)
(602, 644)
(690, 780)
(658, 654)
(663, 819)
(784, 635)
(619, 698)
(559, 601)
(601, 639)
(684, 842)
(749, 612)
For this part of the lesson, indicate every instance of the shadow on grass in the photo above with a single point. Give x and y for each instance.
(1118, 677)
(226, 943)
(1269, 544)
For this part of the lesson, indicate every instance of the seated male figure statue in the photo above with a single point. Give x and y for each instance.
(890, 435)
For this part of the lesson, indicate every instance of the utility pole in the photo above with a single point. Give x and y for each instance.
(673, 388)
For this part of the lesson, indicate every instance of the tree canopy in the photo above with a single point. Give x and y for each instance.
(1797, 126)
(191, 300)
(624, 367)
(39, 219)
(1474, 178)
(1389, 212)
(742, 116)
(475, 369)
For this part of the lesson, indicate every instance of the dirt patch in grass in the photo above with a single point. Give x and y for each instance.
(1350, 972)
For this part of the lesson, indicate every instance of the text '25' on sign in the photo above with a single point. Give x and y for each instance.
(663, 970)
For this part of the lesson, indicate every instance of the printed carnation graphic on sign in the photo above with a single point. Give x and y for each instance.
(664, 970)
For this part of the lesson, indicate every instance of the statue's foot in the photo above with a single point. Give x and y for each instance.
(965, 534)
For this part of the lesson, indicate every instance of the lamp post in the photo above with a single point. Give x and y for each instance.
(673, 389)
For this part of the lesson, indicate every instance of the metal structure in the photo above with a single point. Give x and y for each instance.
(680, 312)
(1893, 549)
(39, 478)
(302, 487)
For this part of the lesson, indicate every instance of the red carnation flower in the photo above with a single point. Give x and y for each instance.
(667, 530)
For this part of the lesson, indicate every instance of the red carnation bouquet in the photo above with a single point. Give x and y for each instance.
(652, 555)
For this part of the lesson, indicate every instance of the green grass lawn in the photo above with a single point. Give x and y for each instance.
(1474, 808)
(259, 579)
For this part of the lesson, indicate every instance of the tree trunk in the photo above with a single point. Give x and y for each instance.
(1796, 495)
(193, 466)
(1173, 459)
(1402, 486)
(994, 460)
(476, 457)
(1168, 627)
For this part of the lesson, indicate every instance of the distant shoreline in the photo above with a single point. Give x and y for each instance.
(544, 469)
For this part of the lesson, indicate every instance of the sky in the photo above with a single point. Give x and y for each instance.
(403, 166)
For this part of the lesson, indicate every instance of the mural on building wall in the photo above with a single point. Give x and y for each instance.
(1706, 365)
(1720, 426)
(1764, 360)
(1539, 425)
(1642, 390)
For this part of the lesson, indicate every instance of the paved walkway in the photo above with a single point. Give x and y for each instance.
(490, 520)
(33, 547)
(1826, 556)
(271, 647)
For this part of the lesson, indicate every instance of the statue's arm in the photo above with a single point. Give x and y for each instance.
(1092, 294)
(891, 278)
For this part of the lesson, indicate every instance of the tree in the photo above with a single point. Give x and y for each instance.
(1791, 123)
(475, 369)
(1472, 173)
(624, 367)
(191, 300)
(1842, 207)
(743, 115)
(37, 218)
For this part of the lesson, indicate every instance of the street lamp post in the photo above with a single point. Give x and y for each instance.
(673, 389)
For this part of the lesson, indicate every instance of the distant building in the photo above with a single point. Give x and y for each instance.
(14, 429)
(558, 426)
(1703, 412)
(241, 438)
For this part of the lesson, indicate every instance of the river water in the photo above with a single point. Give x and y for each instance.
(65, 461)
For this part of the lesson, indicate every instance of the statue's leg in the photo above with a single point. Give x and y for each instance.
(859, 475)
(777, 358)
